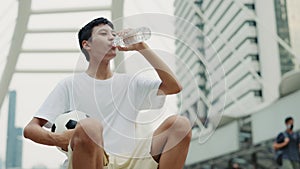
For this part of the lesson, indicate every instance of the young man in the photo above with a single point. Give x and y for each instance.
(288, 142)
(112, 101)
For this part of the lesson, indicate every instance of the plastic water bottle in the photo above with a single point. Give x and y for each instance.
(134, 36)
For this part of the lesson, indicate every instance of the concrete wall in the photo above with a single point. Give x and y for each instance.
(224, 140)
(268, 122)
(268, 48)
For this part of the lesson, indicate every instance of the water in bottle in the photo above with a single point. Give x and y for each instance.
(133, 36)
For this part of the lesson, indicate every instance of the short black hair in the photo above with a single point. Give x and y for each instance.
(288, 119)
(85, 32)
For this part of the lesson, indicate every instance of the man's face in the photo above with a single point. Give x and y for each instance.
(100, 43)
(290, 124)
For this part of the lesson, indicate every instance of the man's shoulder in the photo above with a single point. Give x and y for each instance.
(280, 137)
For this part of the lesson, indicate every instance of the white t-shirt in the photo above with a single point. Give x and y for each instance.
(115, 102)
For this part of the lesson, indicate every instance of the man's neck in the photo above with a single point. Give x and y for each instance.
(101, 71)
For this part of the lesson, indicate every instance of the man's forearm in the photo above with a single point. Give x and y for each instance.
(169, 81)
(279, 145)
(39, 135)
(35, 132)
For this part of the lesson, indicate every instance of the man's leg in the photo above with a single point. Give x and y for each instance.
(296, 164)
(171, 142)
(286, 164)
(87, 145)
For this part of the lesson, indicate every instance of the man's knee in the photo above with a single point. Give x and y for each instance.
(88, 133)
(180, 126)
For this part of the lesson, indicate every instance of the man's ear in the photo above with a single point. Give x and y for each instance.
(85, 45)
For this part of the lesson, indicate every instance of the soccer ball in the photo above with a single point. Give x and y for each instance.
(66, 121)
